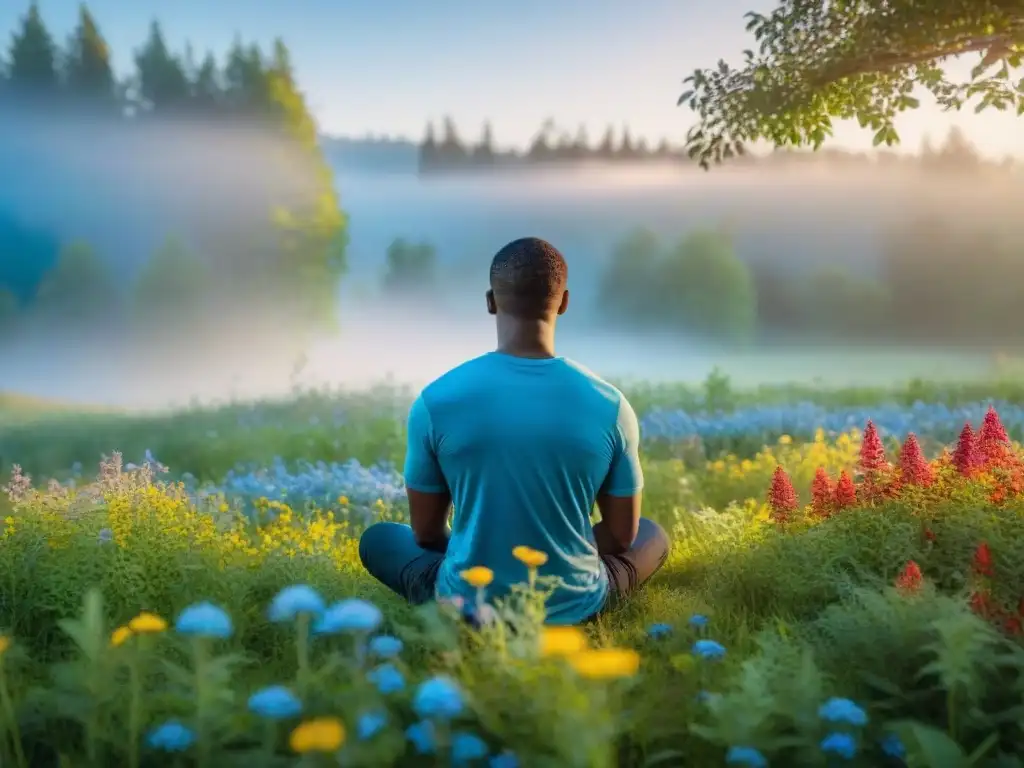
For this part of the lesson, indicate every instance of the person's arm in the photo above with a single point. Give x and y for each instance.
(425, 486)
(620, 497)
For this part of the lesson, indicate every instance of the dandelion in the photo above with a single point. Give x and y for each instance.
(708, 649)
(531, 558)
(965, 457)
(438, 697)
(781, 496)
(840, 744)
(422, 737)
(385, 646)
(893, 746)
(837, 710)
(120, 635)
(657, 631)
(322, 734)
(294, 600)
(204, 620)
(353, 615)
(172, 736)
(370, 724)
(846, 491)
(606, 663)
(467, 747)
(745, 756)
(561, 641)
(387, 679)
(147, 624)
(275, 703)
(910, 579)
(698, 620)
(478, 576)
(914, 469)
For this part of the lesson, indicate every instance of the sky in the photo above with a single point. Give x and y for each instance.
(386, 67)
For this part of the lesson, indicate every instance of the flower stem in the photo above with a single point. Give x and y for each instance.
(199, 652)
(302, 653)
(134, 710)
(12, 720)
(269, 738)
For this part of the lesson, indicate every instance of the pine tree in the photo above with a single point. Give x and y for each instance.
(32, 58)
(162, 81)
(87, 70)
(206, 91)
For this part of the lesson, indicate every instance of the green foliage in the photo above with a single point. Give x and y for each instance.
(87, 69)
(840, 303)
(411, 267)
(9, 309)
(161, 75)
(173, 284)
(817, 61)
(80, 287)
(32, 58)
(627, 283)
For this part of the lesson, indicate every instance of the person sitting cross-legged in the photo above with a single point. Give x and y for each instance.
(524, 443)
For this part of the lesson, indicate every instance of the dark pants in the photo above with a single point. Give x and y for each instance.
(391, 555)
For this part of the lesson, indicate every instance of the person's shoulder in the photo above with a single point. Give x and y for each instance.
(593, 381)
(455, 378)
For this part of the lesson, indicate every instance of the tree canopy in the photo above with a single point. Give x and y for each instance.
(817, 61)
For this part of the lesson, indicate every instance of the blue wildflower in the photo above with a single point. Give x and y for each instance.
(837, 710)
(467, 747)
(504, 760)
(387, 679)
(106, 536)
(698, 620)
(353, 615)
(385, 646)
(438, 697)
(659, 630)
(204, 620)
(703, 697)
(370, 724)
(892, 745)
(291, 601)
(275, 703)
(747, 756)
(708, 649)
(842, 744)
(172, 736)
(421, 735)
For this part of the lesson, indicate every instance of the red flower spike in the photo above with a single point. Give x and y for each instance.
(822, 493)
(846, 492)
(872, 452)
(1013, 626)
(993, 443)
(981, 604)
(929, 534)
(914, 469)
(982, 562)
(910, 579)
(782, 496)
(966, 458)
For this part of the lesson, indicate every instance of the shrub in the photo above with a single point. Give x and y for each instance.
(411, 268)
(172, 290)
(80, 288)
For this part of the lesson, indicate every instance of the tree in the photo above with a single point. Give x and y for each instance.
(627, 289)
(8, 309)
(821, 60)
(411, 267)
(162, 81)
(80, 287)
(206, 89)
(484, 151)
(87, 69)
(172, 287)
(32, 58)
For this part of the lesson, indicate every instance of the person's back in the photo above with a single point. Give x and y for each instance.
(525, 445)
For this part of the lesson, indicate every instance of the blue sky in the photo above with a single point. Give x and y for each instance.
(387, 66)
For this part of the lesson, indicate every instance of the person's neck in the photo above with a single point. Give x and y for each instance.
(526, 338)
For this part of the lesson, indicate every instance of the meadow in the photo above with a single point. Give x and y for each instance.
(184, 589)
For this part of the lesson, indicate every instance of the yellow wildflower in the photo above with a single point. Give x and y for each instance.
(478, 576)
(606, 663)
(147, 623)
(532, 558)
(343, 501)
(5, 643)
(561, 641)
(683, 662)
(322, 734)
(120, 635)
(785, 440)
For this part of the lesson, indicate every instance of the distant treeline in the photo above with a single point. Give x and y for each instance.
(444, 150)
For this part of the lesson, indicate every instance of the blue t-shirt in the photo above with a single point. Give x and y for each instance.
(524, 446)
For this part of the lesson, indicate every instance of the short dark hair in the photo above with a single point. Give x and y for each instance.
(528, 278)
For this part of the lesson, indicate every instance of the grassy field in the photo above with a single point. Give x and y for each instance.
(782, 631)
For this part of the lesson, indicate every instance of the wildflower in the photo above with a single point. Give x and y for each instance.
(929, 535)
(467, 747)
(322, 734)
(698, 620)
(438, 697)
(993, 442)
(981, 603)
(785, 440)
(841, 744)
(846, 491)
(105, 536)
(204, 620)
(746, 756)
(893, 746)
(291, 601)
(659, 630)
(606, 663)
(385, 646)
(370, 724)
(910, 578)
(708, 649)
(531, 558)
(504, 760)
(561, 641)
(965, 457)
(914, 469)
(421, 735)
(478, 576)
(386, 678)
(822, 493)
(703, 697)
(837, 710)
(353, 615)
(872, 452)
(147, 624)
(982, 561)
(120, 635)
(781, 496)
(275, 703)
(172, 736)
